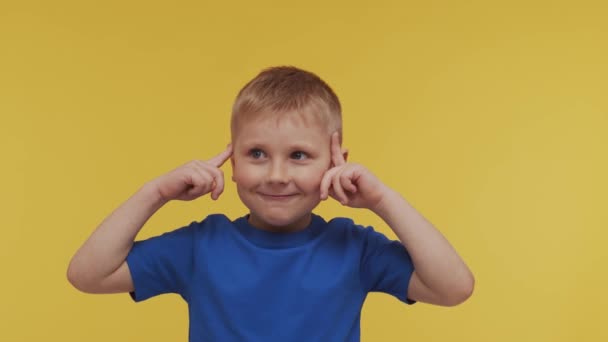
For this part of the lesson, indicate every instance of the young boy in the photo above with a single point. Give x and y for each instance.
(279, 273)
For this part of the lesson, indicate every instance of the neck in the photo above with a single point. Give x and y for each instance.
(292, 227)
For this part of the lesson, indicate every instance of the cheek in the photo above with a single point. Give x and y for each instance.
(243, 175)
(311, 178)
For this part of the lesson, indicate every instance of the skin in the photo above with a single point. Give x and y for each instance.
(282, 170)
(441, 277)
(278, 167)
(288, 157)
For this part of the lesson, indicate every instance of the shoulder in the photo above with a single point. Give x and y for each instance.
(211, 225)
(210, 222)
(215, 220)
(346, 227)
(208, 225)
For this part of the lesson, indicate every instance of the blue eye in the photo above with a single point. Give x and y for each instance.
(299, 155)
(256, 153)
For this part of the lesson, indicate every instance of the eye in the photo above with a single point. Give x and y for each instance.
(256, 153)
(299, 155)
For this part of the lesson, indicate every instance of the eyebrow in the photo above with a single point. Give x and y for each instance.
(294, 146)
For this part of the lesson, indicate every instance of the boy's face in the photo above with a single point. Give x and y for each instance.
(277, 167)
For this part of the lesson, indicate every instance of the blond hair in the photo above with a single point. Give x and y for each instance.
(286, 91)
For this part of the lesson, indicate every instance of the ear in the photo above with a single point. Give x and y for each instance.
(345, 154)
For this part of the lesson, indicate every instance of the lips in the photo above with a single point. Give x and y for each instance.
(277, 196)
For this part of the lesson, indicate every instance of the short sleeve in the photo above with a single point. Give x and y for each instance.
(162, 264)
(386, 266)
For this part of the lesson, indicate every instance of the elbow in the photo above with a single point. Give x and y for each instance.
(76, 279)
(72, 275)
(461, 293)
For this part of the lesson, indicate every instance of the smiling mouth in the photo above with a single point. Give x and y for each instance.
(277, 197)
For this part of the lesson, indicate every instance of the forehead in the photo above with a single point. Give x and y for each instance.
(284, 130)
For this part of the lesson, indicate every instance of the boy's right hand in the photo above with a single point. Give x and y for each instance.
(194, 179)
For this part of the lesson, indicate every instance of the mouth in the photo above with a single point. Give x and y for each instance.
(277, 197)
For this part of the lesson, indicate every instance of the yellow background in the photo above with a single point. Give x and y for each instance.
(490, 117)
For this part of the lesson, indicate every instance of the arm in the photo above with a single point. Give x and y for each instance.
(100, 266)
(441, 277)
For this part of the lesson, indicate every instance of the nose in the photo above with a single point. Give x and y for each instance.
(278, 173)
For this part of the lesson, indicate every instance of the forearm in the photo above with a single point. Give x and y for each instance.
(108, 246)
(437, 264)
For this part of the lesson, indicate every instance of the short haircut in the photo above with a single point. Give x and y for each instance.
(286, 91)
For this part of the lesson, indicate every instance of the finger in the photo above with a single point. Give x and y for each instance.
(218, 188)
(208, 172)
(221, 158)
(326, 183)
(337, 187)
(332, 193)
(346, 180)
(216, 180)
(336, 154)
(208, 175)
(200, 184)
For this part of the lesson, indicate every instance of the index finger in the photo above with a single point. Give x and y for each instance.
(221, 158)
(336, 154)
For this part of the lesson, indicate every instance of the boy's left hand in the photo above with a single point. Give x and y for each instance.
(351, 184)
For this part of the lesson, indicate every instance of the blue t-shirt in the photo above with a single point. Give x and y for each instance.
(246, 284)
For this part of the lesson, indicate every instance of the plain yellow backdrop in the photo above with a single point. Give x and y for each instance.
(490, 117)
